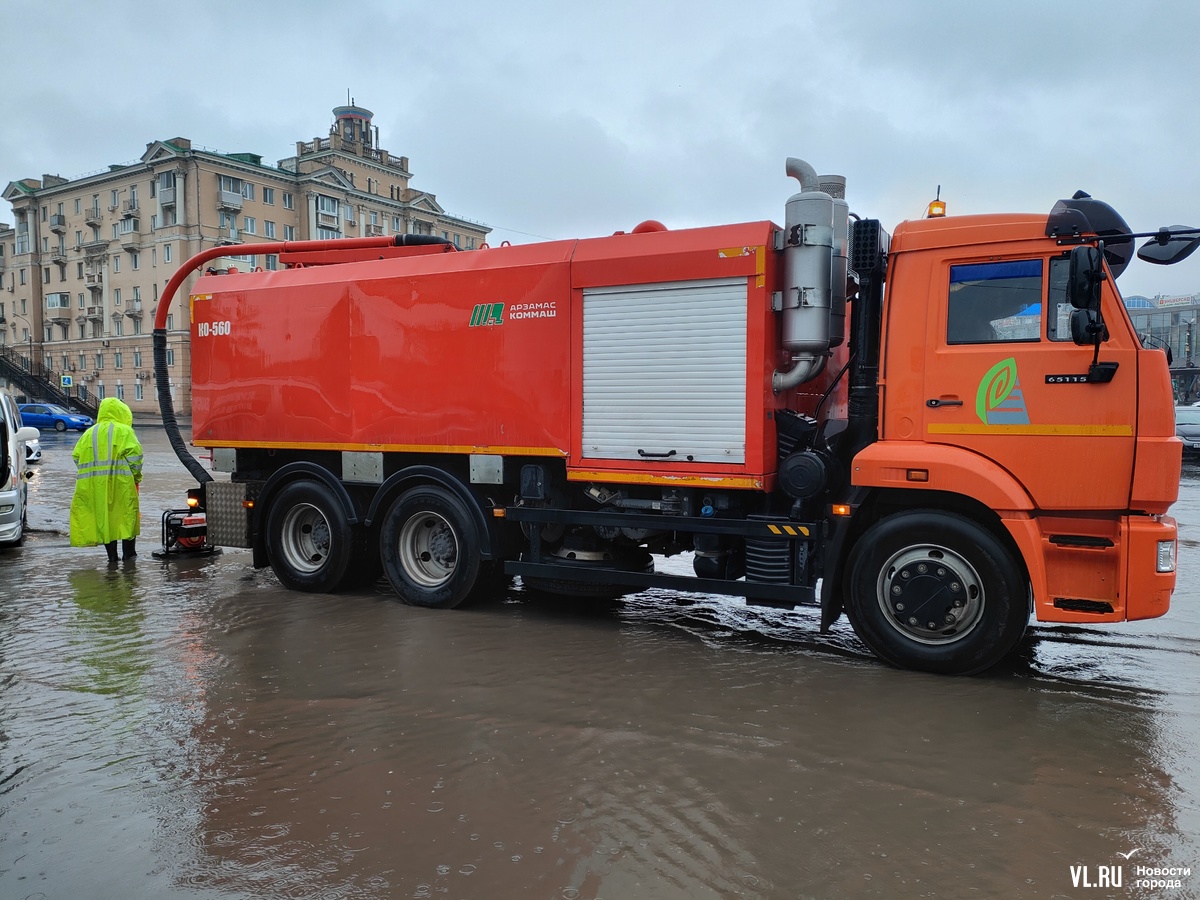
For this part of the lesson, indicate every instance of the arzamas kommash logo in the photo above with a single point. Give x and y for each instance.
(999, 400)
(487, 314)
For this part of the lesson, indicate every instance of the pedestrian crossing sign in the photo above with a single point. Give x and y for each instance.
(67, 381)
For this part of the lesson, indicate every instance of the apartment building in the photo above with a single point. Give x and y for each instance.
(83, 264)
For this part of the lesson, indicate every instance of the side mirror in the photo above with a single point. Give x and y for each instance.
(1083, 282)
(1170, 245)
(1087, 327)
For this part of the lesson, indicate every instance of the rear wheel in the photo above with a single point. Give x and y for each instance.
(933, 591)
(429, 548)
(309, 539)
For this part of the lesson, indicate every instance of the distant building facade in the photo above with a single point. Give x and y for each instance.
(82, 266)
(1171, 323)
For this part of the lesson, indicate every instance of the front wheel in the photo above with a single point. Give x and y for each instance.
(60, 425)
(935, 592)
(429, 548)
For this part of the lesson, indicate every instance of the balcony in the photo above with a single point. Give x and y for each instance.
(374, 230)
(58, 224)
(95, 313)
(58, 255)
(131, 234)
(93, 216)
(229, 200)
(94, 281)
(93, 249)
(58, 315)
(166, 196)
(129, 208)
(134, 309)
(327, 220)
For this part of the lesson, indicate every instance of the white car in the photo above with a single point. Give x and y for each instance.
(33, 451)
(14, 488)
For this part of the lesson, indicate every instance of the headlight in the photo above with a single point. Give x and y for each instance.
(1166, 557)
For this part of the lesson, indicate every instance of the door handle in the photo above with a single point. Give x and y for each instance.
(935, 402)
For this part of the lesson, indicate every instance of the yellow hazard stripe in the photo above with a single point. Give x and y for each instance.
(681, 480)
(793, 530)
(1046, 430)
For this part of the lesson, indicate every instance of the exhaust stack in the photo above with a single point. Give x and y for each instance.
(814, 292)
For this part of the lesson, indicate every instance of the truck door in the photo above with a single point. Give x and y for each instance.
(1005, 380)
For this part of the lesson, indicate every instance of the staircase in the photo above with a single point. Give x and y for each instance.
(41, 384)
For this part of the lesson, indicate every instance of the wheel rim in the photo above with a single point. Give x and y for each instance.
(931, 594)
(305, 538)
(60, 426)
(428, 549)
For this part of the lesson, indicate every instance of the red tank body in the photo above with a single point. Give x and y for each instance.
(476, 352)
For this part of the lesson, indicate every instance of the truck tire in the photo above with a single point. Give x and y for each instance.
(935, 592)
(309, 540)
(428, 547)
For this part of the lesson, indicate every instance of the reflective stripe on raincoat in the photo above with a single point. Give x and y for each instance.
(108, 458)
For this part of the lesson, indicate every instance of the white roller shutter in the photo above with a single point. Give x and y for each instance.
(664, 369)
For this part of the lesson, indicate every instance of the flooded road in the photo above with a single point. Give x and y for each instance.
(193, 730)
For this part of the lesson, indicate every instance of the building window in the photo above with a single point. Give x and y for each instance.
(100, 360)
(272, 262)
(115, 200)
(269, 196)
(117, 296)
(269, 228)
(117, 358)
(396, 224)
(247, 190)
(137, 294)
(328, 234)
(287, 201)
(46, 276)
(231, 185)
(168, 216)
(166, 253)
(120, 391)
(116, 264)
(137, 326)
(78, 208)
(135, 260)
(170, 356)
(118, 330)
(153, 219)
(100, 390)
(328, 205)
(137, 359)
(79, 270)
(82, 356)
(82, 301)
(170, 321)
(153, 256)
(289, 232)
(137, 391)
(249, 225)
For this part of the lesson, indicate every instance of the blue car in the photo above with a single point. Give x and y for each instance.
(48, 415)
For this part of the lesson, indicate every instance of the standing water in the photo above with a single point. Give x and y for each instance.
(191, 729)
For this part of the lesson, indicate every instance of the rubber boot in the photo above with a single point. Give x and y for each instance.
(111, 547)
(129, 548)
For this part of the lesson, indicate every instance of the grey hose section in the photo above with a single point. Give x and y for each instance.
(167, 408)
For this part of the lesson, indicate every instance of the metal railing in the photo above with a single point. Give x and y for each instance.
(40, 383)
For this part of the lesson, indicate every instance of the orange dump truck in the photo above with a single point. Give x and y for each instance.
(939, 432)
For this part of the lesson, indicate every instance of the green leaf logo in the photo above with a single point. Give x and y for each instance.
(995, 387)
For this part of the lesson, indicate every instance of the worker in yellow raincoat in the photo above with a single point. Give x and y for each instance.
(108, 457)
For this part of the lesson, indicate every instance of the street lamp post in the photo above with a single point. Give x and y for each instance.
(28, 332)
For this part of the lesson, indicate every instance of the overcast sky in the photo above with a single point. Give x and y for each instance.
(563, 119)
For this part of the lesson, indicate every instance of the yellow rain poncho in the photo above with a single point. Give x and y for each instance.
(108, 457)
